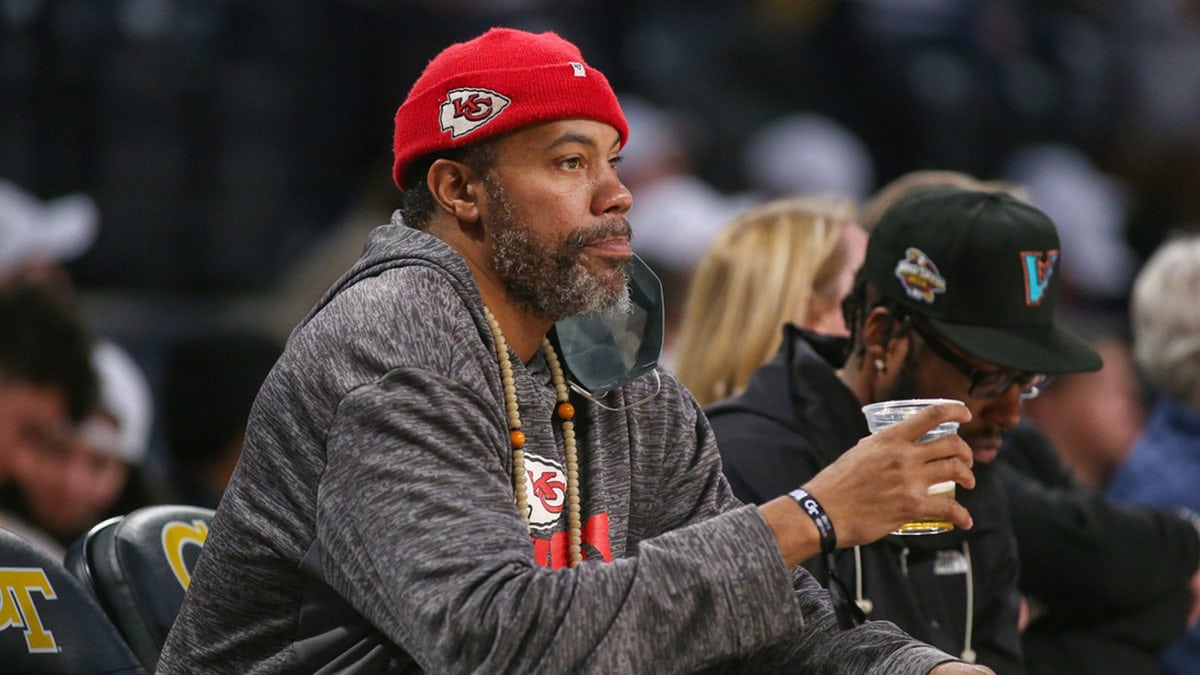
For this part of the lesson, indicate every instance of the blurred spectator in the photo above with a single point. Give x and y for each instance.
(796, 256)
(1093, 419)
(1094, 608)
(676, 213)
(47, 386)
(65, 488)
(211, 382)
(1090, 209)
(808, 154)
(1164, 467)
(46, 382)
(37, 237)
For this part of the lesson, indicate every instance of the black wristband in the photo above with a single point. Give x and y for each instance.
(813, 508)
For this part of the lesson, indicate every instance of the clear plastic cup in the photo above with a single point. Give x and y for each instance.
(885, 413)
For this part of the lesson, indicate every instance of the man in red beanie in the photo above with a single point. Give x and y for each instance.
(466, 459)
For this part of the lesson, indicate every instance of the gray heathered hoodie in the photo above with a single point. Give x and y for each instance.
(370, 525)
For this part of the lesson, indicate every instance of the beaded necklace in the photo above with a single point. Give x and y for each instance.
(516, 437)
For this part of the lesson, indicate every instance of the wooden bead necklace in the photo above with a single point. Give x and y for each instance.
(516, 437)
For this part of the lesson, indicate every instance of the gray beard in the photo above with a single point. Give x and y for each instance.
(548, 280)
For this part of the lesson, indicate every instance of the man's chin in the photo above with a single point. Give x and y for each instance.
(607, 268)
(610, 284)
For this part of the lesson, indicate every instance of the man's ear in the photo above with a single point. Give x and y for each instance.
(887, 341)
(875, 334)
(456, 188)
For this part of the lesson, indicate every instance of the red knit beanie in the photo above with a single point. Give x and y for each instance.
(497, 82)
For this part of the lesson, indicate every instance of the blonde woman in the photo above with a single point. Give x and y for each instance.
(788, 260)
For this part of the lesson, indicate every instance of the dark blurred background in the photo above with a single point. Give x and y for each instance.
(238, 150)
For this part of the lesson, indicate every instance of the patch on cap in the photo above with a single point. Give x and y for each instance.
(919, 275)
(466, 110)
(1039, 267)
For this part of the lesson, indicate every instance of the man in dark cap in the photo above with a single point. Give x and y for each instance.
(955, 299)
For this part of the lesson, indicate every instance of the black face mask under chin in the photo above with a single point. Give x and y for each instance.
(604, 350)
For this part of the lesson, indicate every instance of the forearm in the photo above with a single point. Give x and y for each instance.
(874, 647)
(703, 593)
(794, 531)
(1079, 548)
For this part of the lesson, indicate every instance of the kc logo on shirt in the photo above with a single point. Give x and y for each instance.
(465, 110)
(546, 491)
(546, 499)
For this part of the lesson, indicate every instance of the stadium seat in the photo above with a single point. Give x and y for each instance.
(49, 623)
(139, 566)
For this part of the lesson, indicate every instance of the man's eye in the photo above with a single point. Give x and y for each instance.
(572, 163)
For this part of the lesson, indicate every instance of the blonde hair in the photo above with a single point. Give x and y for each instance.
(758, 274)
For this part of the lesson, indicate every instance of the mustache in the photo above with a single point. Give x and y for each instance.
(618, 227)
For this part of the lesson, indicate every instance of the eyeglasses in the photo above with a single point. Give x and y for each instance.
(984, 383)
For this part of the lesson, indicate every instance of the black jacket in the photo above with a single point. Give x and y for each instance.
(1108, 581)
(795, 418)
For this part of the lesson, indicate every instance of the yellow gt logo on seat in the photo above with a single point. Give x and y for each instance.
(17, 609)
(177, 534)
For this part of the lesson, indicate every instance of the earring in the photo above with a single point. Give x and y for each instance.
(880, 366)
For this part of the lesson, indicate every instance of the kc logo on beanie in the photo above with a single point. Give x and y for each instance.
(500, 81)
(465, 110)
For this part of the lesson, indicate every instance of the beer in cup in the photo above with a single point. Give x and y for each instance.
(884, 413)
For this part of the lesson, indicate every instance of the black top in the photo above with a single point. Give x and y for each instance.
(795, 418)
(1109, 581)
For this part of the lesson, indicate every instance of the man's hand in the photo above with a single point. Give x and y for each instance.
(883, 481)
(879, 484)
(956, 668)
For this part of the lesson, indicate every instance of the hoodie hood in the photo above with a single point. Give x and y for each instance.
(397, 245)
(799, 389)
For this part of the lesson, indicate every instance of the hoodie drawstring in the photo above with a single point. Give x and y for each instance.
(968, 654)
(863, 603)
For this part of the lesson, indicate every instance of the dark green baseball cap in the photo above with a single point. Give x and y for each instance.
(982, 267)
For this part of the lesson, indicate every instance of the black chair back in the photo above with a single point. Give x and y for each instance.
(49, 622)
(139, 568)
